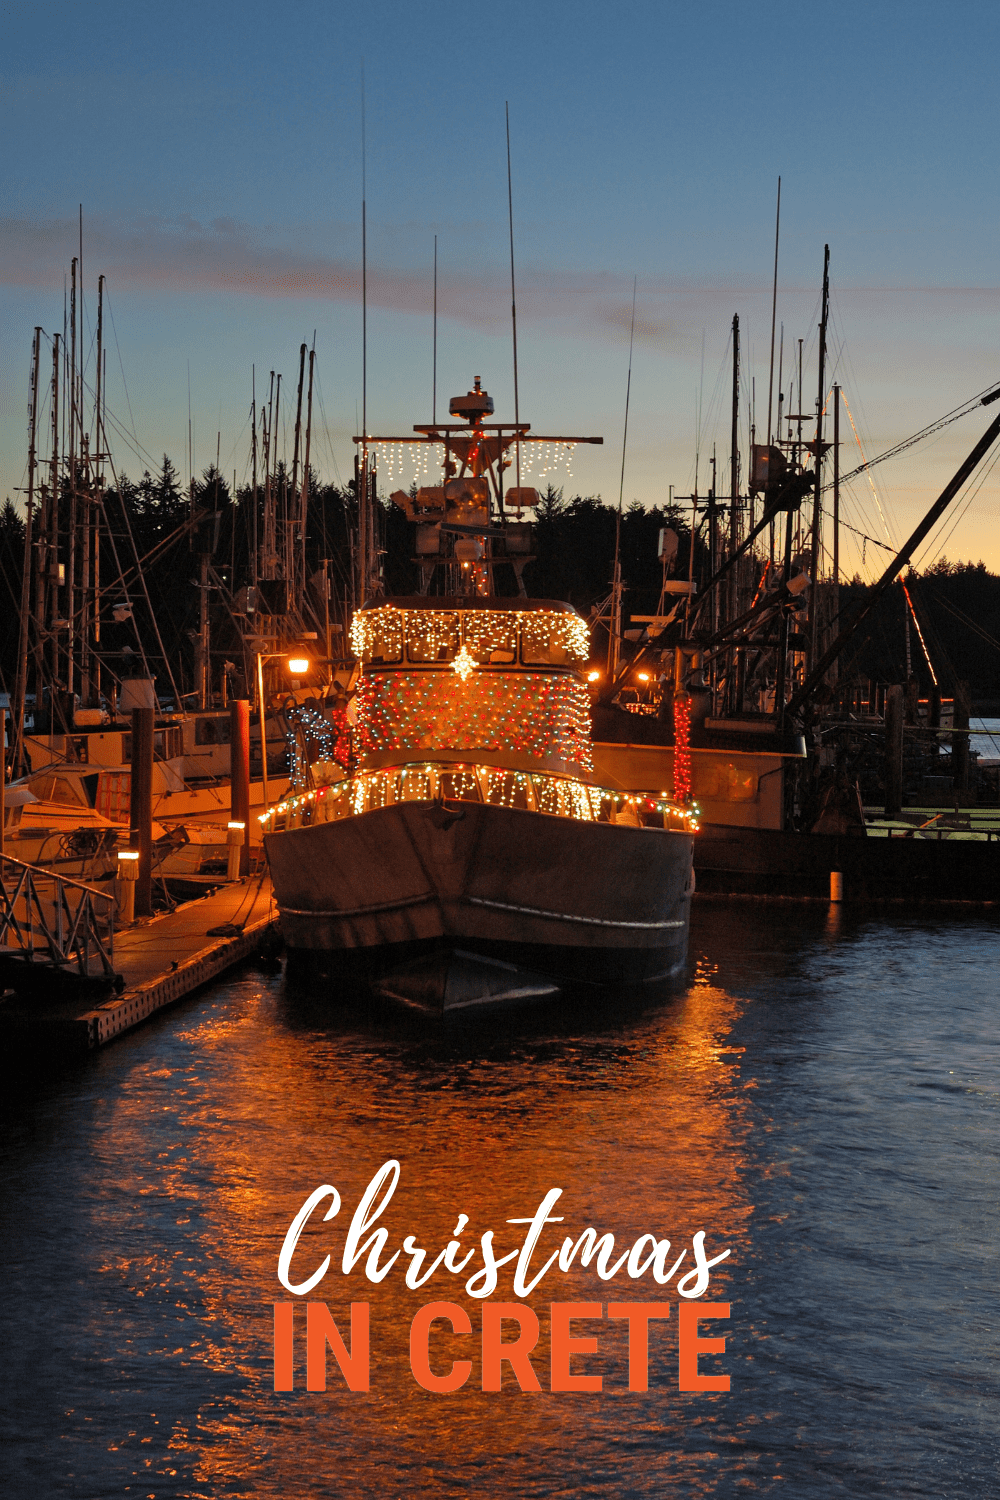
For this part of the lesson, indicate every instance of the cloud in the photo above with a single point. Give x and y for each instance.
(226, 257)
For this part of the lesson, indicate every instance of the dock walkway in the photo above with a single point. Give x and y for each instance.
(161, 959)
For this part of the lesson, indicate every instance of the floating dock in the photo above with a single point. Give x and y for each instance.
(161, 959)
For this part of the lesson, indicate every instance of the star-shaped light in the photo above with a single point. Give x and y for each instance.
(464, 664)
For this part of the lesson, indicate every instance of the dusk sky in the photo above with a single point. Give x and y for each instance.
(216, 149)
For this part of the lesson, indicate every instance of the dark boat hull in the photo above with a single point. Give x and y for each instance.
(766, 862)
(424, 898)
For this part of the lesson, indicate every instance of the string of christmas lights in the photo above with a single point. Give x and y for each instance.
(682, 747)
(547, 458)
(528, 713)
(314, 737)
(411, 461)
(533, 791)
(546, 636)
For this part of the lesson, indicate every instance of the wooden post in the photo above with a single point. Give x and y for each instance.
(893, 751)
(261, 710)
(141, 807)
(960, 742)
(239, 774)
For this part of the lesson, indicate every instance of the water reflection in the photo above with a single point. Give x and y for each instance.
(771, 1104)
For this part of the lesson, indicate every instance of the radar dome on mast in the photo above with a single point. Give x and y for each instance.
(473, 406)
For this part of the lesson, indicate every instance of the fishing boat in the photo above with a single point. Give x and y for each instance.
(467, 853)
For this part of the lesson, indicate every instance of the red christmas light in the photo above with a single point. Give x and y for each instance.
(682, 747)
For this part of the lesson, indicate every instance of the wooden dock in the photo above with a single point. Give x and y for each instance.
(161, 959)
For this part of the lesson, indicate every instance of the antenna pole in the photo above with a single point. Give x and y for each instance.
(253, 450)
(434, 384)
(304, 504)
(774, 308)
(17, 717)
(513, 310)
(364, 272)
(817, 526)
(616, 582)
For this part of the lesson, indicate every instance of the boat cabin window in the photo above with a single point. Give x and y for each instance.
(432, 636)
(386, 636)
(507, 789)
(491, 636)
(209, 732)
(541, 643)
(57, 789)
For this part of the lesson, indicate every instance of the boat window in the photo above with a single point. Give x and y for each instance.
(431, 635)
(540, 643)
(491, 636)
(458, 786)
(413, 785)
(507, 788)
(385, 636)
(59, 789)
(742, 785)
(207, 732)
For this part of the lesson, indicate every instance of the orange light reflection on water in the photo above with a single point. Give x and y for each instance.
(638, 1122)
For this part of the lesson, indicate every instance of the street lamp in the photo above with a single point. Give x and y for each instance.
(297, 666)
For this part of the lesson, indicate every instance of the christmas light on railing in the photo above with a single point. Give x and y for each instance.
(535, 791)
(682, 746)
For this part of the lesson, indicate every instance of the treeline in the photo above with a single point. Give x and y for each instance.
(954, 630)
(156, 530)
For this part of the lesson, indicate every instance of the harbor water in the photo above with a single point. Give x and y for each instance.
(821, 1098)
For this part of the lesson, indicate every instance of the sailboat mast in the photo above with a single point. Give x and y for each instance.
(17, 725)
(253, 450)
(774, 309)
(304, 501)
(817, 526)
(291, 551)
(71, 529)
(513, 311)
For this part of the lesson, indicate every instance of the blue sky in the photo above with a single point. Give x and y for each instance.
(216, 151)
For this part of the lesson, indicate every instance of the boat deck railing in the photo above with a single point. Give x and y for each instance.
(442, 782)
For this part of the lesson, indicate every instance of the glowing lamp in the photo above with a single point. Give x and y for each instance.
(593, 676)
(643, 676)
(298, 665)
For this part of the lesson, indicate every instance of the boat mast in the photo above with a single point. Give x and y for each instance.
(291, 567)
(817, 526)
(614, 639)
(513, 319)
(253, 451)
(734, 494)
(836, 502)
(17, 718)
(71, 530)
(304, 499)
(98, 492)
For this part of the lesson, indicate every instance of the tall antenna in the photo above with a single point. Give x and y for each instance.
(364, 270)
(513, 309)
(774, 308)
(615, 633)
(628, 391)
(434, 396)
